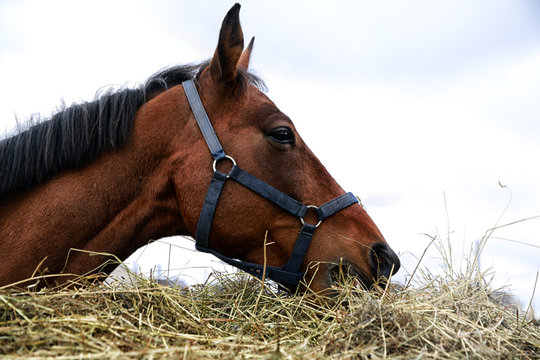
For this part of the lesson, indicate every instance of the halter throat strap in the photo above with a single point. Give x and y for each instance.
(289, 275)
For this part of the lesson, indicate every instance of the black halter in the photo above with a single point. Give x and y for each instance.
(288, 275)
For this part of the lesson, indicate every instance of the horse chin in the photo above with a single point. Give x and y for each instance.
(337, 274)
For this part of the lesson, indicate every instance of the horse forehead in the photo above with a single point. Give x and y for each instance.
(259, 106)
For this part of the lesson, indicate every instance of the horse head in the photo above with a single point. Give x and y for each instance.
(264, 141)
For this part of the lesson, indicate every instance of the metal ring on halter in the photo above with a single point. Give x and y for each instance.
(214, 165)
(302, 218)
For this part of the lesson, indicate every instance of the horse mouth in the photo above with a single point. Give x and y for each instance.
(341, 273)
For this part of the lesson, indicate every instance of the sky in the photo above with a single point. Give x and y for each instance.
(427, 110)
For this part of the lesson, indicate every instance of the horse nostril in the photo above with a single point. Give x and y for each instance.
(383, 260)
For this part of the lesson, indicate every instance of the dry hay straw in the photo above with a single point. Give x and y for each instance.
(234, 316)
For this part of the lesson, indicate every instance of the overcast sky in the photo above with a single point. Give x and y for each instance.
(406, 103)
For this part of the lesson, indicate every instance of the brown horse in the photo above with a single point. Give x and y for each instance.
(111, 175)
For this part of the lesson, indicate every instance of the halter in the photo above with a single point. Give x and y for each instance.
(289, 275)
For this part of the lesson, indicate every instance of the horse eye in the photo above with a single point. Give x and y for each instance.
(282, 135)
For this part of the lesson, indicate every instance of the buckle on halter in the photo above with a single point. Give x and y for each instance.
(226, 157)
(311, 207)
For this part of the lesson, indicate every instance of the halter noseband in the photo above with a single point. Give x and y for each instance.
(289, 275)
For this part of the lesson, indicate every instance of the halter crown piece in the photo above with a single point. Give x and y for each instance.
(289, 275)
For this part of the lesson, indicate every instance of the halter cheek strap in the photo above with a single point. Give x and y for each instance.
(289, 275)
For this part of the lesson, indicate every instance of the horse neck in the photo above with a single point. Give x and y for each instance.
(116, 204)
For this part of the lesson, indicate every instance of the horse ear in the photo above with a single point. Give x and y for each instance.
(244, 59)
(229, 49)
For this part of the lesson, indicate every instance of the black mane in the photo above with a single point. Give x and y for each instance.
(77, 134)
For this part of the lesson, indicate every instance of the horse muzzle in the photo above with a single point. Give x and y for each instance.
(383, 263)
(383, 260)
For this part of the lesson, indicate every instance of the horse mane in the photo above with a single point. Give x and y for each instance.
(78, 134)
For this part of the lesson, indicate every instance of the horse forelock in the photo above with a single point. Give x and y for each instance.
(78, 134)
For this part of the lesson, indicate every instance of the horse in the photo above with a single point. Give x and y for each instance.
(105, 177)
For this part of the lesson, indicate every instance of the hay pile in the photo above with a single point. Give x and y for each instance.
(233, 316)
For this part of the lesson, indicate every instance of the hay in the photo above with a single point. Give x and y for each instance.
(233, 316)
